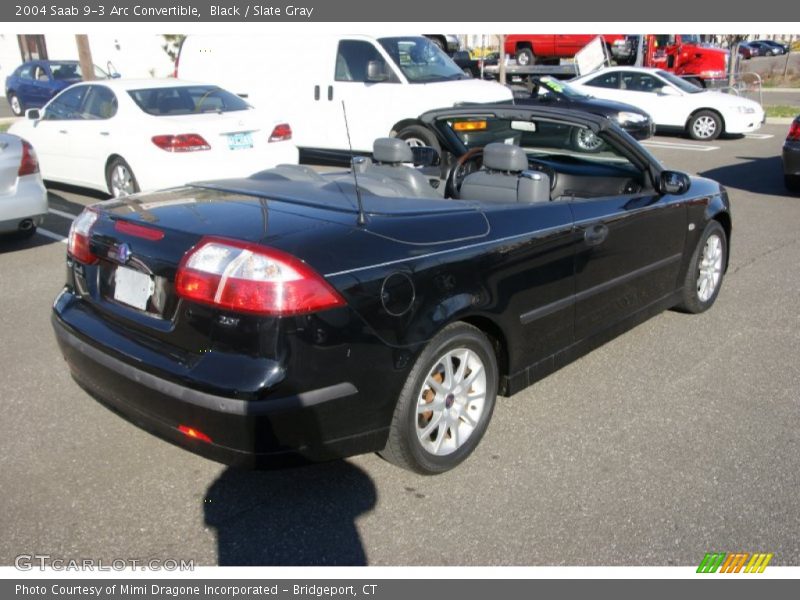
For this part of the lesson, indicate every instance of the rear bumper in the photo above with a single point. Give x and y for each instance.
(791, 158)
(245, 433)
(26, 200)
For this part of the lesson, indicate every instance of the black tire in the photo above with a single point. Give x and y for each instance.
(114, 165)
(16, 105)
(525, 57)
(692, 301)
(704, 125)
(792, 182)
(405, 447)
(418, 135)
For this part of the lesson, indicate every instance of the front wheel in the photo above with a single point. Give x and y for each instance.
(704, 125)
(706, 269)
(417, 135)
(15, 104)
(446, 403)
(525, 57)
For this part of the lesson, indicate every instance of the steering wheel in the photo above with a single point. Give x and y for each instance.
(467, 163)
(542, 167)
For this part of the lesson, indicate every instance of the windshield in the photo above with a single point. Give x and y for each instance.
(548, 85)
(420, 60)
(186, 100)
(72, 70)
(690, 38)
(680, 83)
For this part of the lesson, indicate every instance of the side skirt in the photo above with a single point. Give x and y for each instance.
(511, 384)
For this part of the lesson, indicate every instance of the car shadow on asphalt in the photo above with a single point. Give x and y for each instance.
(296, 516)
(760, 175)
(14, 242)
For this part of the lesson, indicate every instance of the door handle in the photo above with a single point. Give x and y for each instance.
(62, 131)
(596, 234)
(316, 92)
(330, 92)
(104, 133)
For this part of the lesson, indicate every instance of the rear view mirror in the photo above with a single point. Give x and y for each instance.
(674, 182)
(376, 71)
(425, 156)
(33, 114)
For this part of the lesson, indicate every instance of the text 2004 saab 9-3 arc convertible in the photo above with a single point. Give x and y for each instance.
(265, 317)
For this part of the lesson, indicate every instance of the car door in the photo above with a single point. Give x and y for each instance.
(631, 247)
(94, 136)
(361, 96)
(42, 85)
(53, 134)
(664, 102)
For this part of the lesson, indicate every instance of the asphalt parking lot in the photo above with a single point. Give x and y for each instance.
(678, 438)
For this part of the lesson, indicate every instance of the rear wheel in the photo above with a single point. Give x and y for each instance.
(792, 182)
(525, 57)
(120, 178)
(446, 403)
(15, 104)
(706, 269)
(704, 125)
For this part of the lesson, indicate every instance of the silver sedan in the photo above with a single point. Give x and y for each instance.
(23, 197)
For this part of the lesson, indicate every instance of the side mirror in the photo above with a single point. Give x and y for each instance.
(674, 182)
(34, 114)
(376, 71)
(667, 90)
(425, 156)
(115, 75)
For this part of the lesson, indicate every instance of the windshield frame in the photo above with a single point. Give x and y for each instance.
(684, 86)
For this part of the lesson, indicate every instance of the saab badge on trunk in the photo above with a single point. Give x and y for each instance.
(121, 253)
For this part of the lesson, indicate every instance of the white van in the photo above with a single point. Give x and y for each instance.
(385, 83)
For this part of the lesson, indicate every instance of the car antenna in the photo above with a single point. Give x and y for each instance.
(361, 221)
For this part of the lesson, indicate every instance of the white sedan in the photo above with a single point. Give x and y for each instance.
(124, 136)
(23, 198)
(673, 102)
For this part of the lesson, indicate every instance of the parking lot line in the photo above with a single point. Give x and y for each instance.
(51, 235)
(62, 213)
(759, 136)
(679, 146)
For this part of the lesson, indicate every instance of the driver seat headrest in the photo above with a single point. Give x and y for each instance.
(392, 151)
(504, 157)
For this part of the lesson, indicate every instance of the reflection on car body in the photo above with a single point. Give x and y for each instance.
(325, 315)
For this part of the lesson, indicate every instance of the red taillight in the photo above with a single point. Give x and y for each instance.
(194, 433)
(134, 229)
(184, 142)
(281, 133)
(79, 232)
(253, 279)
(794, 132)
(29, 163)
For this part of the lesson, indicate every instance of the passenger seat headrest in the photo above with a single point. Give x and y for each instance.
(391, 150)
(504, 157)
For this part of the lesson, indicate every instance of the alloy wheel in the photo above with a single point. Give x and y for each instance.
(451, 402)
(704, 127)
(121, 181)
(710, 268)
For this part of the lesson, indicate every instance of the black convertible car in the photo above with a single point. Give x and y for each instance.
(547, 91)
(294, 313)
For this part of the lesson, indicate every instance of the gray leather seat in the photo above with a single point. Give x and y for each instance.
(388, 155)
(505, 177)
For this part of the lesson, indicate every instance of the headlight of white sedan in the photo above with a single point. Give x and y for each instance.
(624, 117)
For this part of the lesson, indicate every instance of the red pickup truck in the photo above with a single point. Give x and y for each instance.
(530, 49)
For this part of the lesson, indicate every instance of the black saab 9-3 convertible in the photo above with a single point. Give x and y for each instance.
(298, 314)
